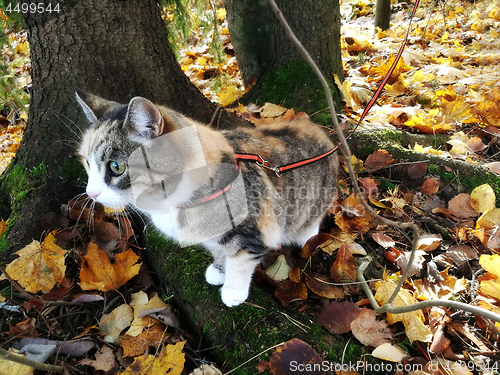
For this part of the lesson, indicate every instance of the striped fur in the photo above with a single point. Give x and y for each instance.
(279, 210)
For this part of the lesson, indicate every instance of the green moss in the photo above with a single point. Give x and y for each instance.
(433, 168)
(71, 169)
(295, 85)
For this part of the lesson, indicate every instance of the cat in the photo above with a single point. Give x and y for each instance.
(185, 176)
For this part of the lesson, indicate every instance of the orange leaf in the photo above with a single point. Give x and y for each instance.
(294, 356)
(323, 288)
(430, 186)
(353, 217)
(343, 268)
(97, 272)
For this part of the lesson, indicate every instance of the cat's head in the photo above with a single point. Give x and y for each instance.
(115, 132)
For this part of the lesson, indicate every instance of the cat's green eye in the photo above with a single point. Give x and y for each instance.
(117, 167)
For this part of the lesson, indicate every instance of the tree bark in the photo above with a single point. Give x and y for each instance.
(264, 52)
(383, 14)
(115, 49)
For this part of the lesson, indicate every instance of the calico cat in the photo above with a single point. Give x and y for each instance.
(185, 176)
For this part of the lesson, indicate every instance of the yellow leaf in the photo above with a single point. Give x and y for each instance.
(13, 368)
(39, 266)
(483, 198)
(491, 264)
(140, 302)
(172, 362)
(413, 321)
(221, 14)
(229, 95)
(489, 219)
(97, 272)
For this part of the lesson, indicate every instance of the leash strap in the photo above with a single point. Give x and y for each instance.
(279, 169)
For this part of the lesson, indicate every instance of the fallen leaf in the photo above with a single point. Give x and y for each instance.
(460, 206)
(279, 269)
(389, 352)
(104, 359)
(172, 362)
(370, 331)
(383, 240)
(430, 186)
(112, 324)
(294, 353)
(491, 264)
(482, 198)
(312, 244)
(39, 266)
(206, 369)
(337, 316)
(97, 272)
(489, 219)
(429, 242)
(343, 267)
(353, 218)
(417, 170)
(322, 287)
(289, 291)
(12, 368)
(134, 346)
(413, 321)
(378, 159)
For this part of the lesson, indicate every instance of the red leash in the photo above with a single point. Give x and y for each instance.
(279, 169)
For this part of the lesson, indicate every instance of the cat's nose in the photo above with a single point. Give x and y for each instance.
(92, 195)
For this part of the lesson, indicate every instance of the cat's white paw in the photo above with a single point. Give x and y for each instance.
(233, 297)
(214, 276)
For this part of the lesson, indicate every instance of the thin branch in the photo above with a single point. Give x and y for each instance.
(409, 225)
(13, 357)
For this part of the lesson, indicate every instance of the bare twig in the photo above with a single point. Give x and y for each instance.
(4, 354)
(387, 307)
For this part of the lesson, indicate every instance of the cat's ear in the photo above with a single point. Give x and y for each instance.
(143, 120)
(93, 106)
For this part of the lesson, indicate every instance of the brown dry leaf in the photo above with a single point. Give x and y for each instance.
(383, 240)
(289, 291)
(482, 198)
(294, 353)
(141, 302)
(457, 257)
(445, 288)
(460, 206)
(323, 239)
(339, 238)
(294, 275)
(469, 332)
(378, 159)
(104, 359)
(343, 267)
(369, 187)
(172, 362)
(370, 331)
(493, 243)
(134, 346)
(323, 287)
(437, 322)
(338, 316)
(430, 186)
(112, 324)
(417, 170)
(97, 272)
(271, 110)
(475, 144)
(429, 242)
(353, 218)
(413, 321)
(39, 266)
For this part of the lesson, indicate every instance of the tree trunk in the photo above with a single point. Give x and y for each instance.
(115, 49)
(383, 14)
(265, 53)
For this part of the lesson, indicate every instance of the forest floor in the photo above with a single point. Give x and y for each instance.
(90, 313)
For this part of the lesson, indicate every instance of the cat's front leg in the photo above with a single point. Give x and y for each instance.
(239, 270)
(215, 274)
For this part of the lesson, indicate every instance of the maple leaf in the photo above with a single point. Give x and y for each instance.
(97, 272)
(172, 362)
(39, 266)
